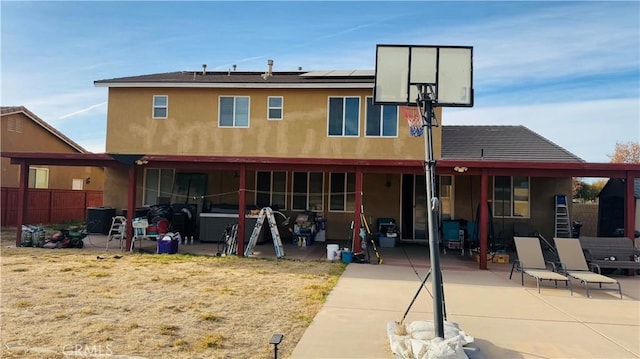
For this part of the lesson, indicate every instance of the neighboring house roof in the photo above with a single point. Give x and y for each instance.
(10, 110)
(500, 143)
(254, 79)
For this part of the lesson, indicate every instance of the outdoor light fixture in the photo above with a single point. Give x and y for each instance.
(88, 180)
(275, 340)
(141, 162)
(460, 169)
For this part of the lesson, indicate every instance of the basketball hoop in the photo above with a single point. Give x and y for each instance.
(414, 119)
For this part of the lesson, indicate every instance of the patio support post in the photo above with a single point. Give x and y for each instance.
(483, 225)
(131, 203)
(358, 212)
(23, 191)
(629, 207)
(629, 213)
(242, 203)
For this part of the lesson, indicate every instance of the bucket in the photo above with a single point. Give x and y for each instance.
(331, 251)
(347, 256)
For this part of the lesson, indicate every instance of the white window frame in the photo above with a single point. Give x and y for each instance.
(511, 208)
(77, 184)
(271, 189)
(269, 108)
(344, 115)
(307, 193)
(160, 107)
(381, 119)
(344, 192)
(235, 110)
(40, 177)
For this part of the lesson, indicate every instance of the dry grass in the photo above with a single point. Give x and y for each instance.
(156, 306)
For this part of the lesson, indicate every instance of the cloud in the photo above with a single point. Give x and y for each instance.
(87, 109)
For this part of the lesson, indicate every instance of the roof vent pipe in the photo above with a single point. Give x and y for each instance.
(204, 69)
(269, 72)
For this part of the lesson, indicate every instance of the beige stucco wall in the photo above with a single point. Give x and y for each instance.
(192, 126)
(34, 138)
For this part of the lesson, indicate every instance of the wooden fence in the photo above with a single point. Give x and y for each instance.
(47, 206)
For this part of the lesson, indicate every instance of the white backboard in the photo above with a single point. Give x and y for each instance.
(400, 67)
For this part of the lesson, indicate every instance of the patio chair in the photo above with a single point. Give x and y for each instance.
(140, 232)
(574, 265)
(531, 261)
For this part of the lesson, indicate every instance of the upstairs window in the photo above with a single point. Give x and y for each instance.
(160, 106)
(234, 111)
(511, 196)
(274, 107)
(382, 120)
(271, 188)
(344, 116)
(343, 192)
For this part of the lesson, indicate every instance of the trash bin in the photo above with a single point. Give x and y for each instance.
(99, 219)
(575, 231)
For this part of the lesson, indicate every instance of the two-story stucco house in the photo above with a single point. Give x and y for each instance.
(314, 141)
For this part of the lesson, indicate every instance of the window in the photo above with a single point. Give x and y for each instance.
(343, 192)
(234, 111)
(446, 197)
(382, 120)
(15, 124)
(157, 183)
(38, 177)
(511, 196)
(307, 191)
(274, 107)
(271, 188)
(77, 184)
(160, 106)
(344, 116)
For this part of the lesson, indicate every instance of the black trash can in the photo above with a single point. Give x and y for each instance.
(99, 219)
(575, 231)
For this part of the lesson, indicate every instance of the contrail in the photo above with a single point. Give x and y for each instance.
(82, 110)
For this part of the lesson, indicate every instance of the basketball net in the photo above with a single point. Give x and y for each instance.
(414, 119)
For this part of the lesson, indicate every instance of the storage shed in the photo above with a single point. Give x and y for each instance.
(611, 208)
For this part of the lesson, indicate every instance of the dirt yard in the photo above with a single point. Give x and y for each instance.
(59, 303)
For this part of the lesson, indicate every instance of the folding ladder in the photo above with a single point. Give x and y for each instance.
(563, 225)
(265, 213)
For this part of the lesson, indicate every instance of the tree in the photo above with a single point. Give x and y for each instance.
(587, 192)
(626, 153)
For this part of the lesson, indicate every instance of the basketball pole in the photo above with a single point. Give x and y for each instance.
(427, 102)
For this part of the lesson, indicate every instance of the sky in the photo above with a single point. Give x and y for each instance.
(569, 71)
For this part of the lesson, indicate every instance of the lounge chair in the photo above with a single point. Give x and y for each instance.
(531, 261)
(574, 264)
